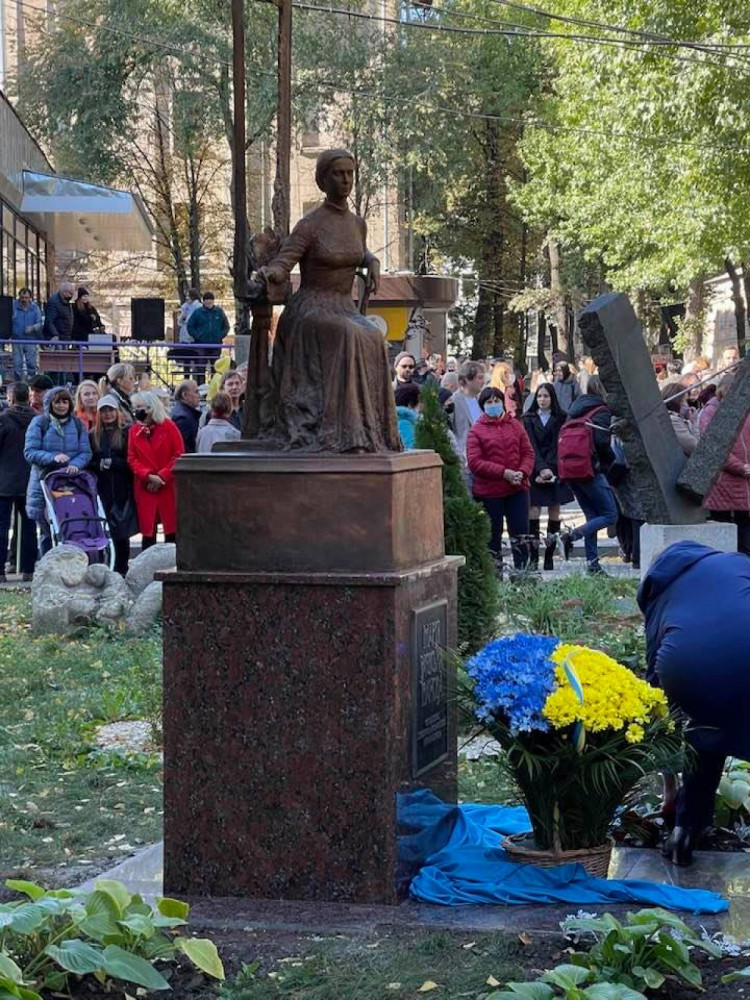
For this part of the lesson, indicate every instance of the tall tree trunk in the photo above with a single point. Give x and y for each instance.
(522, 338)
(541, 337)
(498, 326)
(483, 325)
(693, 322)
(559, 308)
(746, 283)
(740, 311)
(163, 170)
(554, 340)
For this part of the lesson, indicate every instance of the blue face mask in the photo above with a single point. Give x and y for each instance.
(494, 409)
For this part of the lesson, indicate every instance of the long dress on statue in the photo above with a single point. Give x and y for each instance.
(330, 381)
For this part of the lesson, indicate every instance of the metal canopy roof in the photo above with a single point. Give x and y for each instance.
(86, 216)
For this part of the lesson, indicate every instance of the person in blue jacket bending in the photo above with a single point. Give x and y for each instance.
(696, 602)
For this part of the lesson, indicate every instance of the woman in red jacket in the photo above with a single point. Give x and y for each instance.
(154, 445)
(501, 459)
(729, 497)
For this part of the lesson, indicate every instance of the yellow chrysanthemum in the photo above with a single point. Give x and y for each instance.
(613, 697)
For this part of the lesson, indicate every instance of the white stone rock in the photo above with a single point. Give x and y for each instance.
(657, 537)
(146, 611)
(68, 593)
(153, 560)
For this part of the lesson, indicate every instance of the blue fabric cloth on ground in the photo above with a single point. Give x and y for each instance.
(463, 864)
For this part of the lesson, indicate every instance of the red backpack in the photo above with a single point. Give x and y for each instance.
(575, 447)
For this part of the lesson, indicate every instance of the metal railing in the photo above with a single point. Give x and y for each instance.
(69, 361)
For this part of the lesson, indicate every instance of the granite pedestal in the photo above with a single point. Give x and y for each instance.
(305, 679)
(657, 537)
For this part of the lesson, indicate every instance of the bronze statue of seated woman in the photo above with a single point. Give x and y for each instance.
(330, 384)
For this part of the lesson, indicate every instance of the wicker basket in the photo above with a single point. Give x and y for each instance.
(594, 859)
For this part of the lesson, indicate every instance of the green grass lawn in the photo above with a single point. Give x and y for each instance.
(62, 802)
(592, 610)
(404, 965)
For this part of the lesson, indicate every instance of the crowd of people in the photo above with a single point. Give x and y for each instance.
(128, 435)
(70, 316)
(527, 450)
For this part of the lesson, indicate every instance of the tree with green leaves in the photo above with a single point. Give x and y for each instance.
(467, 532)
(636, 153)
(459, 101)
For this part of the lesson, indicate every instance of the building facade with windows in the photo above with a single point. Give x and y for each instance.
(25, 254)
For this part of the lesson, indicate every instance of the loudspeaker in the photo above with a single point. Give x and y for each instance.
(147, 319)
(6, 316)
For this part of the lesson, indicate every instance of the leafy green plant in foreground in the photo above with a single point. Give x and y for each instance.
(624, 960)
(570, 982)
(641, 952)
(51, 936)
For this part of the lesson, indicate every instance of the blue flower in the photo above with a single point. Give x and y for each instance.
(514, 676)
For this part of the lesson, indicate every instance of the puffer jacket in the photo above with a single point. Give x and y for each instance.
(494, 445)
(45, 438)
(731, 491)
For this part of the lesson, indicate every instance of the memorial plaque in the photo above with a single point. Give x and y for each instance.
(430, 674)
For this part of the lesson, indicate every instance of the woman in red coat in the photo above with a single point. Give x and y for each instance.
(729, 497)
(501, 459)
(154, 445)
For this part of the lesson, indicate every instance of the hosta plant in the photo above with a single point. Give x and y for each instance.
(51, 937)
(567, 982)
(733, 795)
(642, 952)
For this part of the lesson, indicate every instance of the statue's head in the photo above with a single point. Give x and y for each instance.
(334, 173)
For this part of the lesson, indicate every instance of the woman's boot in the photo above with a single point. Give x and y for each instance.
(534, 544)
(553, 528)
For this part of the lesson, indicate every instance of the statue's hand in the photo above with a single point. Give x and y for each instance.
(273, 275)
(373, 275)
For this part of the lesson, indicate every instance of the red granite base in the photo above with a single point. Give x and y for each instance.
(290, 707)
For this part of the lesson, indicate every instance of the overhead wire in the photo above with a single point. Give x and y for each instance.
(636, 32)
(525, 29)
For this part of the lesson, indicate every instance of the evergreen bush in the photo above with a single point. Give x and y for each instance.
(467, 532)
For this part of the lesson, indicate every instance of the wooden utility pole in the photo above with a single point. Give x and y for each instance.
(264, 250)
(239, 178)
(281, 186)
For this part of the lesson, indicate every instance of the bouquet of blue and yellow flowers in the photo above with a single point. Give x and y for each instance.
(579, 730)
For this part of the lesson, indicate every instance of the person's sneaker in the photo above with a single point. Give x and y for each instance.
(595, 569)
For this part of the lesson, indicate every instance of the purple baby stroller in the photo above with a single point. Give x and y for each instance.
(76, 515)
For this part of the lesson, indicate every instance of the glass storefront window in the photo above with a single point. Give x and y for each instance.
(23, 256)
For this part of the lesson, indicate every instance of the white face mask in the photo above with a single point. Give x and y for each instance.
(494, 409)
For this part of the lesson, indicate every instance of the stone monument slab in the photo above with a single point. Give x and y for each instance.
(657, 537)
(614, 338)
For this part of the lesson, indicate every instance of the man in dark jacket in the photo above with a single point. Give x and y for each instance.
(58, 314)
(208, 326)
(186, 412)
(595, 497)
(14, 478)
(695, 603)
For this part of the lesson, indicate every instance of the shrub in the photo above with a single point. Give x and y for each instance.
(467, 532)
(108, 933)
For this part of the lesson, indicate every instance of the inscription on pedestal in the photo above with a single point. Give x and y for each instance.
(430, 674)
